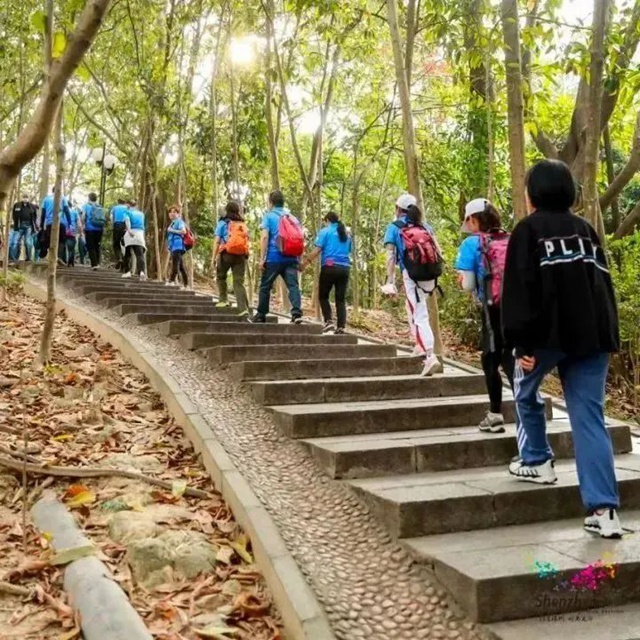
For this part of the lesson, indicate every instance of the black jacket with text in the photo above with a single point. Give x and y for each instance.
(557, 290)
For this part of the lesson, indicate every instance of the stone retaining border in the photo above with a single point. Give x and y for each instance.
(302, 614)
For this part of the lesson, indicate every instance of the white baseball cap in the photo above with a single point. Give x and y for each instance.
(475, 206)
(405, 201)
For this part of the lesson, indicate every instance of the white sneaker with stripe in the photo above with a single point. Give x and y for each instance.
(539, 474)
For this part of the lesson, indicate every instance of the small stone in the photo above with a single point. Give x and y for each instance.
(389, 625)
(129, 526)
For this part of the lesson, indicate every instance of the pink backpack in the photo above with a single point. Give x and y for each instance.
(290, 236)
(493, 247)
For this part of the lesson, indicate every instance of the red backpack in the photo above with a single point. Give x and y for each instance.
(189, 240)
(290, 236)
(421, 257)
(493, 247)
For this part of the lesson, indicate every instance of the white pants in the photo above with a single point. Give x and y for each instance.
(416, 295)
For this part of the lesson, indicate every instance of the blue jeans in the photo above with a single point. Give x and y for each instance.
(289, 273)
(24, 232)
(583, 382)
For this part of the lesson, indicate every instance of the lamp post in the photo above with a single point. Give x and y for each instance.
(107, 164)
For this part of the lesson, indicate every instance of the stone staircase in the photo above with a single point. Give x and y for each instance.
(409, 447)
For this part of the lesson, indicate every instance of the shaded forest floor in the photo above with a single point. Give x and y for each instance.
(90, 408)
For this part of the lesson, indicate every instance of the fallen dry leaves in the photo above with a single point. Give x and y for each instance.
(92, 409)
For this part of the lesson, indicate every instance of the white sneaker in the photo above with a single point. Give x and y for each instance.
(417, 351)
(538, 474)
(431, 365)
(492, 423)
(143, 277)
(126, 275)
(605, 523)
(389, 289)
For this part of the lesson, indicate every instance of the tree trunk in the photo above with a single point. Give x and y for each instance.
(50, 308)
(515, 104)
(628, 224)
(31, 139)
(592, 211)
(410, 149)
(271, 131)
(234, 131)
(608, 152)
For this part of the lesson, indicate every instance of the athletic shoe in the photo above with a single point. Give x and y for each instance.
(431, 365)
(126, 275)
(538, 474)
(297, 320)
(222, 305)
(418, 351)
(339, 331)
(328, 327)
(492, 423)
(244, 314)
(258, 319)
(605, 523)
(94, 268)
(143, 277)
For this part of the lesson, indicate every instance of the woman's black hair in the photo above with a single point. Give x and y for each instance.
(276, 198)
(488, 218)
(414, 215)
(332, 216)
(550, 186)
(232, 211)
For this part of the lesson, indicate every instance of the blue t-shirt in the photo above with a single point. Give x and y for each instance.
(470, 259)
(222, 231)
(87, 208)
(136, 219)
(175, 241)
(334, 251)
(119, 213)
(71, 222)
(393, 236)
(47, 208)
(270, 222)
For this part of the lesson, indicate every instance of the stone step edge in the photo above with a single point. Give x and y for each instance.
(302, 615)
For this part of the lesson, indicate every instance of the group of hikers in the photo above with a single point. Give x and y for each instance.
(543, 292)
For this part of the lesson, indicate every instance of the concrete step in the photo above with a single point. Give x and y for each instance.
(278, 392)
(180, 327)
(115, 299)
(526, 571)
(368, 456)
(338, 367)
(277, 354)
(452, 501)
(351, 418)
(126, 288)
(297, 342)
(155, 318)
(196, 305)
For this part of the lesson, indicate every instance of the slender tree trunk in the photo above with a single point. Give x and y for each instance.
(592, 212)
(234, 130)
(491, 147)
(50, 308)
(608, 152)
(410, 148)
(629, 223)
(271, 131)
(515, 104)
(48, 45)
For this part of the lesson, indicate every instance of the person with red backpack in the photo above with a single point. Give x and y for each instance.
(281, 245)
(480, 263)
(412, 245)
(230, 253)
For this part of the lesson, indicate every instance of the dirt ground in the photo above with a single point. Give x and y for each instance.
(89, 409)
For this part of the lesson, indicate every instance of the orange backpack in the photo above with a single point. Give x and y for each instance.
(237, 243)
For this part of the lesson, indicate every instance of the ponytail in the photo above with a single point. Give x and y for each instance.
(342, 230)
(414, 215)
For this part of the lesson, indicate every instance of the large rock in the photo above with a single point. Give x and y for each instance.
(128, 526)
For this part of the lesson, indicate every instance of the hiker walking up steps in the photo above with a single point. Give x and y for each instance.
(411, 244)
(559, 310)
(119, 228)
(281, 245)
(94, 223)
(230, 253)
(480, 262)
(175, 243)
(134, 241)
(333, 243)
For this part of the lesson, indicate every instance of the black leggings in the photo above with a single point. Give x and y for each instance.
(331, 277)
(46, 242)
(177, 266)
(140, 253)
(495, 354)
(93, 239)
(119, 229)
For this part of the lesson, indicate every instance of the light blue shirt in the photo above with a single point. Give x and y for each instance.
(222, 231)
(47, 208)
(175, 241)
(393, 236)
(87, 208)
(470, 259)
(334, 251)
(136, 219)
(270, 222)
(119, 213)
(71, 222)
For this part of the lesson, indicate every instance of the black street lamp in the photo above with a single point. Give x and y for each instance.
(107, 164)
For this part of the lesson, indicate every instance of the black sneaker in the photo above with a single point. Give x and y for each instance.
(340, 331)
(296, 320)
(258, 319)
(327, 327)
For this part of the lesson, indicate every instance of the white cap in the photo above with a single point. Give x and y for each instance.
(475, 206)
(405, 201)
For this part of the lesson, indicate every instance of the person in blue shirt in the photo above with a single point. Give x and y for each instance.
(73, 228)
(93, 231)
(47, 215)
(118, 216)
(482, 218)
(416, 293)
(175, 244)
(333, 244)
(134, 241)
(273, 263)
